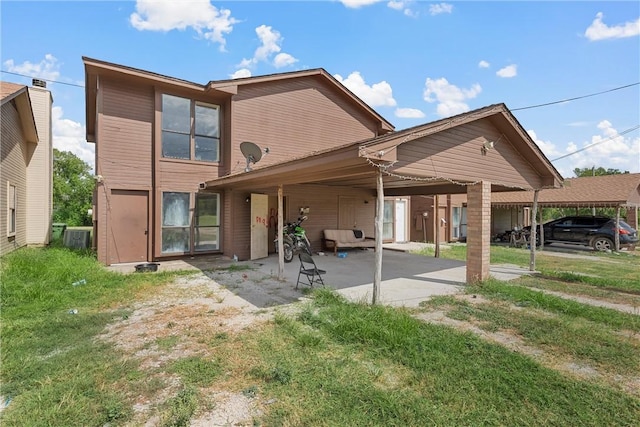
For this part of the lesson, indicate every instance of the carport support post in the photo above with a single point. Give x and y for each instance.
(617, 233)
(279, 234)
(478, 231)
(436, 236)
(534, 230)
(377, 273)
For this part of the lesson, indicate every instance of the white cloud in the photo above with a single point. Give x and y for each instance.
(205, 19)
(598, 30)
(68, 135)
(409, 113)
(404, 6)
(243, 72)
(437, 9)
(283, 60)
(548, 148)
(508, 71)
(376, 95)
(483, 64)
(611, 150)
(355, 4)
(451, 99)
(396, 5)
(270, 42)
(47, 69)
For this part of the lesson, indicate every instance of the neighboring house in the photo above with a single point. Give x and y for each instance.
(173, 182)
(26, 171)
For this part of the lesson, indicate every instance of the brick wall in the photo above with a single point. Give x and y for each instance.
(478, 231)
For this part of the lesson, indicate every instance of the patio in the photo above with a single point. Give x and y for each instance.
(407, 279)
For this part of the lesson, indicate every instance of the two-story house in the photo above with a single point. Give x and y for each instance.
(173, 180)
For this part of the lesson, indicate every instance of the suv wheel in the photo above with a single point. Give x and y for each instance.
(602, 244)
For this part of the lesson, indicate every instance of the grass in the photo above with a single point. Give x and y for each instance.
(618, 272)
(381, 366)
(53, 369)
(334, 363)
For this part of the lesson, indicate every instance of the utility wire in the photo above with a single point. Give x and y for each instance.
(596, 143)
(573, 99)
(40, 78)
(511, 109)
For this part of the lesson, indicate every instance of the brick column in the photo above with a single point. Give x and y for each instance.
(478, 231)
(632, 217)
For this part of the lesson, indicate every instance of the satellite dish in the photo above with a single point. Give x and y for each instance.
(251, 152)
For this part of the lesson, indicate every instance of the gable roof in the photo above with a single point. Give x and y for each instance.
(20, 95)
(356, 164)
(95, 67)
(231, 86)
(588, 191)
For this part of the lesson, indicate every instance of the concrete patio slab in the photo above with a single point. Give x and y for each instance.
(407, 279)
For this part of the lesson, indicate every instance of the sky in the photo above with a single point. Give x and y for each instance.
(568, 70)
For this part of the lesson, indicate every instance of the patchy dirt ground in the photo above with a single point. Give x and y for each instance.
(187, 314)
(180, 320)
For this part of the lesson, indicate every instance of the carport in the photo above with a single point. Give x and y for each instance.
(620, 191)
(477, 153)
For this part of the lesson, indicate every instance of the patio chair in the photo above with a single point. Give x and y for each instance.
(309, 269)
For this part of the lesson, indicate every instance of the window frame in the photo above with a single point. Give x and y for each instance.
(191, 227)
(193, 134)
(12, 208)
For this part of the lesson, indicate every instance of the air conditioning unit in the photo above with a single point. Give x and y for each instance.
(77, 239)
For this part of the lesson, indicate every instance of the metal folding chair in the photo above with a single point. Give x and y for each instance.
(309, 269)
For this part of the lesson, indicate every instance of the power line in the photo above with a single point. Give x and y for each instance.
(46, 80)
(596, 143)
(573, 99)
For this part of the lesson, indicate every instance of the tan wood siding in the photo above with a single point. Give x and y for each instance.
(13, 170)
(40, 171)
(179, 175)
(444, 155)
(293, 118)
(125, 134)
(322, 202)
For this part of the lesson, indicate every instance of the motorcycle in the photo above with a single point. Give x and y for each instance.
(294, 239)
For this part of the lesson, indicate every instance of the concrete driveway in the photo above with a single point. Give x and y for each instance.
(407, 279)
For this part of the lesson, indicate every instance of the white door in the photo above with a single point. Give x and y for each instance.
(401, 220)
(259, 226)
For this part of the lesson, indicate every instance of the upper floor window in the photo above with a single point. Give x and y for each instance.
(190, 130)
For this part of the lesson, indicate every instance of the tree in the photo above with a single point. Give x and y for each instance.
(72, 189)
(580, 172)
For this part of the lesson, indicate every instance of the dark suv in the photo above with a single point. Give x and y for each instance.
(595, 231)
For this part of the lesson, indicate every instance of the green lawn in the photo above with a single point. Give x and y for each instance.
(335, 363)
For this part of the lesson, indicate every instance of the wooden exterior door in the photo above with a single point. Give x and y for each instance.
(129, 225)
(442, 226)
(347, 213)
(259, 226)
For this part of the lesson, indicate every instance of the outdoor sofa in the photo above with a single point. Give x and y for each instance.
(338, 239)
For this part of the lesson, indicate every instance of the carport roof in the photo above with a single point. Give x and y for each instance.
(356, 164)
(589, 191)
